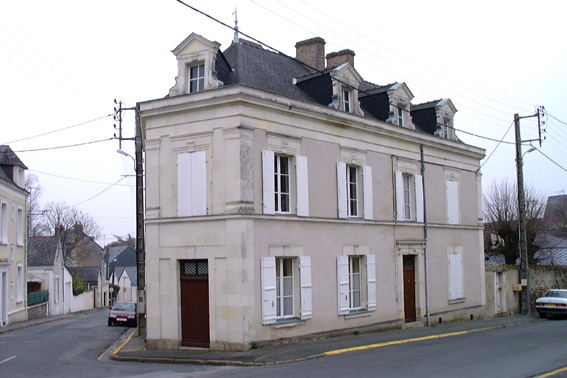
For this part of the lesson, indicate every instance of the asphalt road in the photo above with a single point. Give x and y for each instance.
(71, 348)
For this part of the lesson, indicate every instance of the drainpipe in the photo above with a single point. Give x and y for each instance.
(425, 238)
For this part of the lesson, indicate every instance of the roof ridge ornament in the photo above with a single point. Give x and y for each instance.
(235, 38)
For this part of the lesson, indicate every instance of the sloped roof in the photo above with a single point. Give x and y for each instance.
(42, 250)
(263, 69)
(88, 274)
(9, 157)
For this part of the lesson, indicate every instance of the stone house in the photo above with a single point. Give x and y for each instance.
(288, 198)
(13, 237)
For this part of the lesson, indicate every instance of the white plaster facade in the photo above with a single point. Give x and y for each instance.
(13, 231)
(224, 214)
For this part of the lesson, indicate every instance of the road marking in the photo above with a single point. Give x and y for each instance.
(549, 374)
(7, 359)
(388, 343)
(125, 342)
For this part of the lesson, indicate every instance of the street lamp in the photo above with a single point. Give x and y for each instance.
(122, 152)
(522, 237)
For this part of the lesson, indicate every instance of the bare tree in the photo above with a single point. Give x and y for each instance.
(35, 226)
(556, 216)
(501, 221)
(65, 220)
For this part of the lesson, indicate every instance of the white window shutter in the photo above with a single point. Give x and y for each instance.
(399, 196)
(343, 285)
(367, 193)
(269, 312)
(184, 199)
(456, 274)
(306, 308)
(199, 183)
(268, 188)
(418, 198)
(371, 281)
(341, 189)
(452, 202)
(302, 186)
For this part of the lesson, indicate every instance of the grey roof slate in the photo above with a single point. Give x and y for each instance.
(42, 250)
(266, 70)
(88, 274)
(9, 157)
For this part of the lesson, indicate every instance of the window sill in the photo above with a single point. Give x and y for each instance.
(355, 314)
(285, 323)
(455, 301)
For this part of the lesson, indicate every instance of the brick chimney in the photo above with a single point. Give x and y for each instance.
(311, 52)
(335, 59)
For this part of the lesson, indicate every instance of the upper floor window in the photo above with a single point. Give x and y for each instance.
(4, 224)
(20, 227)
(192, 183)
(281, 184)
(285, 184)
(196, 78)
(409, 196)
(346, 100)
(351, 194)
(400, 116)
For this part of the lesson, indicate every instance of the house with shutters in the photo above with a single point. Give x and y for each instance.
(13, 231)
(289, 197)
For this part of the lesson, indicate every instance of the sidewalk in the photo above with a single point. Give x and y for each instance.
(131, 347)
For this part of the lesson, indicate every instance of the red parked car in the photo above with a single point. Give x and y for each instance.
(123, 313)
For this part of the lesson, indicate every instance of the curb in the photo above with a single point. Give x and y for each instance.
(116, 356)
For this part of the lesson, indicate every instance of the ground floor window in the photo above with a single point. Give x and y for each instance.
(286, 288)
(356, 277)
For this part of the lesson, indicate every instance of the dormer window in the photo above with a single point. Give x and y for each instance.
(400, 116)
(346, 100)
(196, 78)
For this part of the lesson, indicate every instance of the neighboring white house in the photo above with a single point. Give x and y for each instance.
(13, 232)
(45, 262)
(286, 200)
(127, 279)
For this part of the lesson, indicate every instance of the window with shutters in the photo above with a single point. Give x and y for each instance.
(4, 224)
(452, 196)
(286, 289)
(356, 276)
(409, 196)
(20, 283)
(191, 184)
(456, 283)
(354, 188)
(285, 184)
(20, 227)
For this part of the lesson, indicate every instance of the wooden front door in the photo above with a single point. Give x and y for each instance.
(409, 288)
(195, 303)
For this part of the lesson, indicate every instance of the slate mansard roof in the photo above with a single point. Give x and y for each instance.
(246, 63)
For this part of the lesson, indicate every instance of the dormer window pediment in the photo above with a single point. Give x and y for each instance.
(345, 81)
(400, 98)
(196, 60)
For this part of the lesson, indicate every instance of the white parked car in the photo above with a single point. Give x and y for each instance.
(554, 302)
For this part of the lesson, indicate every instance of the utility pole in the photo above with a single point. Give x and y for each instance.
(140, 249)
(522, 237)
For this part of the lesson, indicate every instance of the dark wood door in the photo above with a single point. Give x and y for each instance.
(409, 288)
(195, 304)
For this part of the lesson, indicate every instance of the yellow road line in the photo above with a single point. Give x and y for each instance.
(549, 374)
(388, 343)
(125, 342)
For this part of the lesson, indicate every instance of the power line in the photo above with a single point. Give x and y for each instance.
(74, 179)
(99, 193)
(55, 131)
(68, 146)
(494, 150)
(550, 159)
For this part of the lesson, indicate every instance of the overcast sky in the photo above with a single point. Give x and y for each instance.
(63, 62)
